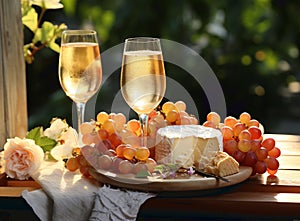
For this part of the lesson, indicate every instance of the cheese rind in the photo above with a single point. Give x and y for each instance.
(187, 145)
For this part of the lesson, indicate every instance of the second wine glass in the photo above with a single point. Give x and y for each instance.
(80, 71)
(143, 79)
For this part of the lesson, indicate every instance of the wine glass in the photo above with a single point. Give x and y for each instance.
(80, 70)
(143, 79)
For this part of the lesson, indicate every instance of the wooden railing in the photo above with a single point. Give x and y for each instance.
(13, 102)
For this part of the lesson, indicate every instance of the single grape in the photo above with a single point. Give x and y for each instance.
(153, 127)
(129, 152)
(72, 164)
(150, 164)
(272, 163)
(209, 124)
(255, 144)
(244, 134)
(133, 125)
(120, 150)
(230, 121)
(125, 167)
(245, 118)
(172, 116)
(152, 114)
(255, 132)
(102, 117)
(110, 152)
(90, 138)
(194, 121)
(103, 134)
(183, 114)
(115, 140)
(115, 164)
(227, 132)
(250, 159)
(88, 150)
(142, 153)
(230, 146)
(261, 153)
(87, 127)
(214, 117)
(85, 171)
(103, 146)
(244, 145)
(120, 118)
(133, 140)
(158, 118)
(168, 106)
(268, 143)
(180, 105)
(238, 155)
(82, 161)
(275, 152)
(109, 126)
(185, 120)
(253, 122)
(104, 162)
(260, 167)
(238, 128)
(272, 172)
(112, 116)
(139, 166)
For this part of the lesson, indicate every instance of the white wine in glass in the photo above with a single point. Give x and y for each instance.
(143, 79)
(80, 70)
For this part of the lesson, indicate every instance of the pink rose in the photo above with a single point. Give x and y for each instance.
(22, 157)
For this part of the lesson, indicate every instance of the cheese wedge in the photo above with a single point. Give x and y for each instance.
(222, 165)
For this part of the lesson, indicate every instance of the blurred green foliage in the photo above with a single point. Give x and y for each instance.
(251, 45)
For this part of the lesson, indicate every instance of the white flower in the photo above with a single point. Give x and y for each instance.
(68, 140)
(22, 158)
(70, 136)
(47, 4)
(57, 127)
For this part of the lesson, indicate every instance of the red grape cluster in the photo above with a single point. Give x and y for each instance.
(123, 160)
(243, 140)
(112, 143)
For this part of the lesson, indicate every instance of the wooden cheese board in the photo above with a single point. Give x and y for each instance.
(156, 184)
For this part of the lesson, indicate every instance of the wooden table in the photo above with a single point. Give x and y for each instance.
(261, 197)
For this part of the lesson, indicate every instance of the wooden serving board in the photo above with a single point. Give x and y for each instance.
(152, 184)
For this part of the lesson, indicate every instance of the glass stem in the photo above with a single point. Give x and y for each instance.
(144, 128)
(80, 119)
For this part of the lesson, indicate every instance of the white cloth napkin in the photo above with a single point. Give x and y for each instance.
(67, 196)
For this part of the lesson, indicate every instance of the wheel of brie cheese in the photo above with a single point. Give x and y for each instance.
(187, 145)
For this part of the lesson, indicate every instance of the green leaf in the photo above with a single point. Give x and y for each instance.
(47, 32)
(160, 168)
(46, 143)
(54, 46)
(30, 19)
(143, 174)
(34, 134)
(173, 167)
